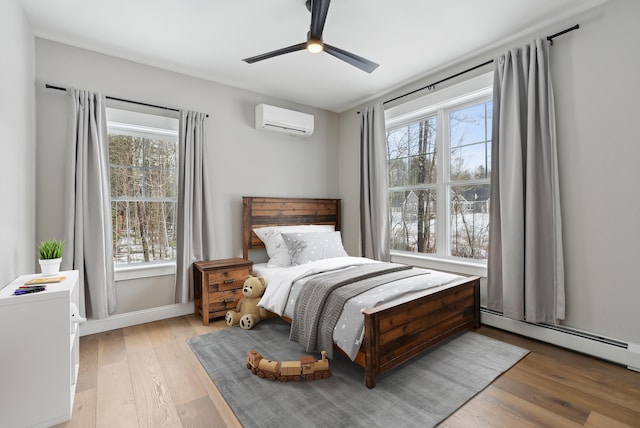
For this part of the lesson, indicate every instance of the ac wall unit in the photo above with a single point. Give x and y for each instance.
(271, 118)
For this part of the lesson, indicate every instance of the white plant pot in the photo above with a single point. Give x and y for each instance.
(50, 267)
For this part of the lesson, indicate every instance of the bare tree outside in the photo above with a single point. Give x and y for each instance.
(143, 197)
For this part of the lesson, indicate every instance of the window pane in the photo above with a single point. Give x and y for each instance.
(126, 182)
(125, 150)
(470, 133)
(469, 125)
(143, 231)
(397, 140)
(470, 162)
(422, 169)
(160, 153)
(413, 133)
(422, 136)
(413, 220)
(160, 183)
(424, 162)
(469, 221)
(398, 172)
(411, 153)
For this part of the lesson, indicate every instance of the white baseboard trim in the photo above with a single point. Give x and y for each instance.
(133, 318)
(626, 354)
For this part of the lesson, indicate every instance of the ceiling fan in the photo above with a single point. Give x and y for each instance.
(315, 44)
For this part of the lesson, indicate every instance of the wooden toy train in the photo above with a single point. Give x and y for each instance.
(307, 367)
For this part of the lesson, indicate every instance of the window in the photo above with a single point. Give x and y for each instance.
(143, 154)
(438, 152)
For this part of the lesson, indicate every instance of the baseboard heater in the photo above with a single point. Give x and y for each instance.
(616, 351)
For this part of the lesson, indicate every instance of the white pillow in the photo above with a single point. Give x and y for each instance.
(312, 246)
(275, 246)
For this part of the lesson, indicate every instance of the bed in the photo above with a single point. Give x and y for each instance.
(393, 332)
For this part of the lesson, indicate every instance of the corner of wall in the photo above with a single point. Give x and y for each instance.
(17, 147)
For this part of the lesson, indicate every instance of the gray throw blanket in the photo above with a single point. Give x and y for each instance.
(320, 302)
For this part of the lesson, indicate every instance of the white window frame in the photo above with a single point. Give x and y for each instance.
(472, 91)
(147, 125)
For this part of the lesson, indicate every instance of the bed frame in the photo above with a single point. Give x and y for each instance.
(393, 334)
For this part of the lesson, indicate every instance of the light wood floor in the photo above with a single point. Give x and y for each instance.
(147, 376)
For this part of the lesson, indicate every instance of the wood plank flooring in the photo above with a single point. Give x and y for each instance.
(147, 376)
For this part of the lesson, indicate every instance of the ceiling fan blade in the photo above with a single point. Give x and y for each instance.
(319, 10)
(294, 48)
(350, 58)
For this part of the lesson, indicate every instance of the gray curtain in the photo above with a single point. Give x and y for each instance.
(525, 266)
(374, 215)
(87, 236)
(194, 217)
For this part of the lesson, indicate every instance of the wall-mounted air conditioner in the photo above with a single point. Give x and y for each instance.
(271, 118)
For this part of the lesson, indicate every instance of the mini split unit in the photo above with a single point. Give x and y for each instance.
(271, 118)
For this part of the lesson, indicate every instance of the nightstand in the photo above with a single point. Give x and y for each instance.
(218, 286)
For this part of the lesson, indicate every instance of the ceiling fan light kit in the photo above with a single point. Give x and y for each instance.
(315, 44)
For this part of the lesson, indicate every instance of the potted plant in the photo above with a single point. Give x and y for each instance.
(50, 253)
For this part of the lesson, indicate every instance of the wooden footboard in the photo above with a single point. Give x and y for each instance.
(396, 333)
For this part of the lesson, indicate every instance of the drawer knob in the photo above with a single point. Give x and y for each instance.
(229, 281)
(229, 299)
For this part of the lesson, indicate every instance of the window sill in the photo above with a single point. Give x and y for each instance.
(462, 267)
(147, 270)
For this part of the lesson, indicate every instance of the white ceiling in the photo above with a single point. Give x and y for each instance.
(209, 38)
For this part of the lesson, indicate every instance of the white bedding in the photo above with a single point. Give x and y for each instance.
(284, 284)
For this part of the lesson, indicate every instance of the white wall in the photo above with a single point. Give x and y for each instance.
(243, 161)
(595, 75)
(17, 143)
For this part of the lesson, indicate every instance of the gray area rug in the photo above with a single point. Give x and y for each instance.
(420, 393)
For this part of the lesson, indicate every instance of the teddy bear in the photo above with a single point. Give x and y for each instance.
(247, 312)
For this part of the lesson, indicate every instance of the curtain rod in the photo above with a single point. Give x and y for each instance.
(433, 85)
(60, 88)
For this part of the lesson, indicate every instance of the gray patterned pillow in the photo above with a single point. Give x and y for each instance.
(312, 246)
(275, 246)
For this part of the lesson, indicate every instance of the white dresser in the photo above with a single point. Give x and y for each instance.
(39, 356)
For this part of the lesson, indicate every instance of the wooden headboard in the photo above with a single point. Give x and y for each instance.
(262, 212)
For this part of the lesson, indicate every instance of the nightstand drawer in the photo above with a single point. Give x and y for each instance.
(222, 304)
(227, 280)
(229, 296)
